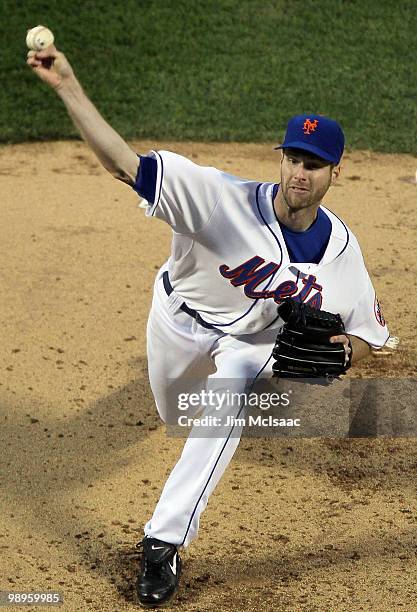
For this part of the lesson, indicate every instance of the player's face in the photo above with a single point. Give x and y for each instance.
(305, 178)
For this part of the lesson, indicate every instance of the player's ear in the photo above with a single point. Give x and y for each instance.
(335, 173)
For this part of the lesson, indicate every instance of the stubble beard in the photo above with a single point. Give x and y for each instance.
(313, 199)
(300, 203)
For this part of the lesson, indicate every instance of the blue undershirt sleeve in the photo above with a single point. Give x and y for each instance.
(145, 183)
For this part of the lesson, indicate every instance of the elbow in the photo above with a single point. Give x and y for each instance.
(126, 170)
(121, 175)
(124, 167)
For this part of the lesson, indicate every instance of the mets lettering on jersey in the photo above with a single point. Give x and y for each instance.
(230, 263)
(248, 275)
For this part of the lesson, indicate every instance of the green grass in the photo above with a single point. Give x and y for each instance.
(220, 71)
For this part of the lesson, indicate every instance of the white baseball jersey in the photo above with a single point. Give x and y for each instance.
(229, 261)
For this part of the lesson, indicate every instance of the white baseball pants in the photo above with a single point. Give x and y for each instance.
(196, 358)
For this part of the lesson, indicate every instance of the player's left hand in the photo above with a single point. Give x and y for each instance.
(346, 344)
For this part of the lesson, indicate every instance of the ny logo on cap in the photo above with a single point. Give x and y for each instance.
(310, 126)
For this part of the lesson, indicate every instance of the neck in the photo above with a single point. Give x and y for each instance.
(296, 219)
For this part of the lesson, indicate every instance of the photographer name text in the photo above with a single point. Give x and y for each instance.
(232, 421)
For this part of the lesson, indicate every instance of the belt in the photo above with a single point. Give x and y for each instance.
(193, 313)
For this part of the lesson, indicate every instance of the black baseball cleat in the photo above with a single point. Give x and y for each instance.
(160, 572)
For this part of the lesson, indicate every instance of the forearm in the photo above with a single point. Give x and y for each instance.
(112, 151)
(360, 348)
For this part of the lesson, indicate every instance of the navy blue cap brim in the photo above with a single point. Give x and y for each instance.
(305, 146)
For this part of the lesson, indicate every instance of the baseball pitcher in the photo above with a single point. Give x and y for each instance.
(262, 280)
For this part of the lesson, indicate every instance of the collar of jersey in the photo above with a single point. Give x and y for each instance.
(338, 241)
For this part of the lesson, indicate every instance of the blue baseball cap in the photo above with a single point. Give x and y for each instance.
(317, 134)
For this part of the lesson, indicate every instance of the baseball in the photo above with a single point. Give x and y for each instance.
(39, 38)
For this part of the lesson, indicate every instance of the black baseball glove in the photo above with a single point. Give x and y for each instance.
(302, 348)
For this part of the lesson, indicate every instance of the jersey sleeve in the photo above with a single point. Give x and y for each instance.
(145, 182)
(366, 320)
(186, 194)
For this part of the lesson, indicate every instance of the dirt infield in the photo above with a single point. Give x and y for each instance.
(308, 524)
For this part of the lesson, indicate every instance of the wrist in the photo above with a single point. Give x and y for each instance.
(360, 348)
(68, 88)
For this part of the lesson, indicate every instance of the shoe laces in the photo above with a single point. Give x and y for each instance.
(148, 567)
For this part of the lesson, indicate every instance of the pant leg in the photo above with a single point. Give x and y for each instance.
(239, 361)
(178, 350)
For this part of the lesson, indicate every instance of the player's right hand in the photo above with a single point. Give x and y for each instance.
(51, 66)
